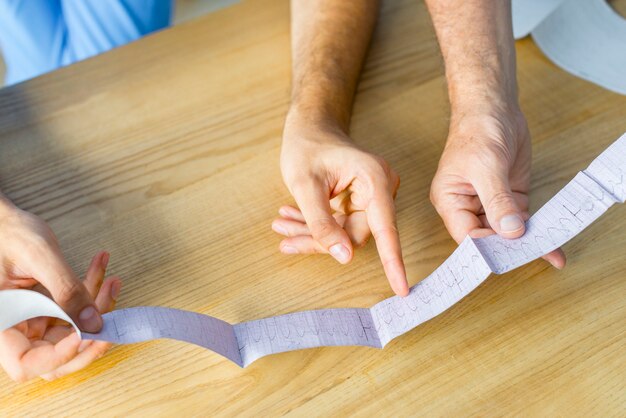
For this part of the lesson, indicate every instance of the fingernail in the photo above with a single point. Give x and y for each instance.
(340, 252)
(90, 319)
(115, 290)
(283, 212)
(289, 250)
(279, 229)
(511, 223)
(104, 261)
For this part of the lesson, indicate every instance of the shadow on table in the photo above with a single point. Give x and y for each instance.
(84, 202)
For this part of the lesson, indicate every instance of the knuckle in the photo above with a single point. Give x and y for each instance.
(381, 168)
(382, 163)
(433, 195)
(69, 292)
(322, 229)
(384, 231)
(375, 165)
(376, 173)
(388, 262)
(437, 197)
(498, 201)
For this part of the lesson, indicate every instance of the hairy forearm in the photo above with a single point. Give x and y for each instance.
(477, 44)
(329, 42)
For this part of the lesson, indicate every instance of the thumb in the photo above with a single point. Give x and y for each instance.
(53, 272)
(500, 207)
(313, 201)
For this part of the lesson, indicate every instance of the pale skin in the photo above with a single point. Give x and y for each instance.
(345, 194)
(30, 258)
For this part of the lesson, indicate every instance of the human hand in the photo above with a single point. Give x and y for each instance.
(50, 348)
(30, 255)
(344, 195)
(483, 179)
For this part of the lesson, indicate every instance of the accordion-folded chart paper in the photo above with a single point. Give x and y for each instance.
(585, 198)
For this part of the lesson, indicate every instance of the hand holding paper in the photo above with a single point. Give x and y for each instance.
(483, 179)
(43, 346)
(30, 255)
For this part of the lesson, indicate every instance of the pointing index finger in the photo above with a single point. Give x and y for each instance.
(381, 217)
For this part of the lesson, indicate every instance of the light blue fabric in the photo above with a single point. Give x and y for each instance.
(37, 36)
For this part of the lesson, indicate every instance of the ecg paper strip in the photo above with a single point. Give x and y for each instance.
(571, 210)
(528, 14)
(583, 37)
(19, 305)
(586, 38)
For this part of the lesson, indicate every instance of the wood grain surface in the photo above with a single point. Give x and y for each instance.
(165, 152)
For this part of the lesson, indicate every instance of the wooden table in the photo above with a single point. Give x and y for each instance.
(165, 152)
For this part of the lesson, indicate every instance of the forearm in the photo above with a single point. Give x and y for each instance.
(477, 44)
(329, 42)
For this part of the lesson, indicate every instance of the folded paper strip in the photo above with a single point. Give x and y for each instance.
(572, 209)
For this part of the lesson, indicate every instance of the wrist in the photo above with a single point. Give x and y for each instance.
(312, 119)
(485, 99)
(471, 96)
(490, 124)
(483, 87)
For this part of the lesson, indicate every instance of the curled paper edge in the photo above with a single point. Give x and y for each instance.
(586, 38)
(20, 305)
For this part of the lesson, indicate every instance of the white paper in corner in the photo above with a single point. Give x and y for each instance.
(20, 305)
(588, 39)
(528, 14)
